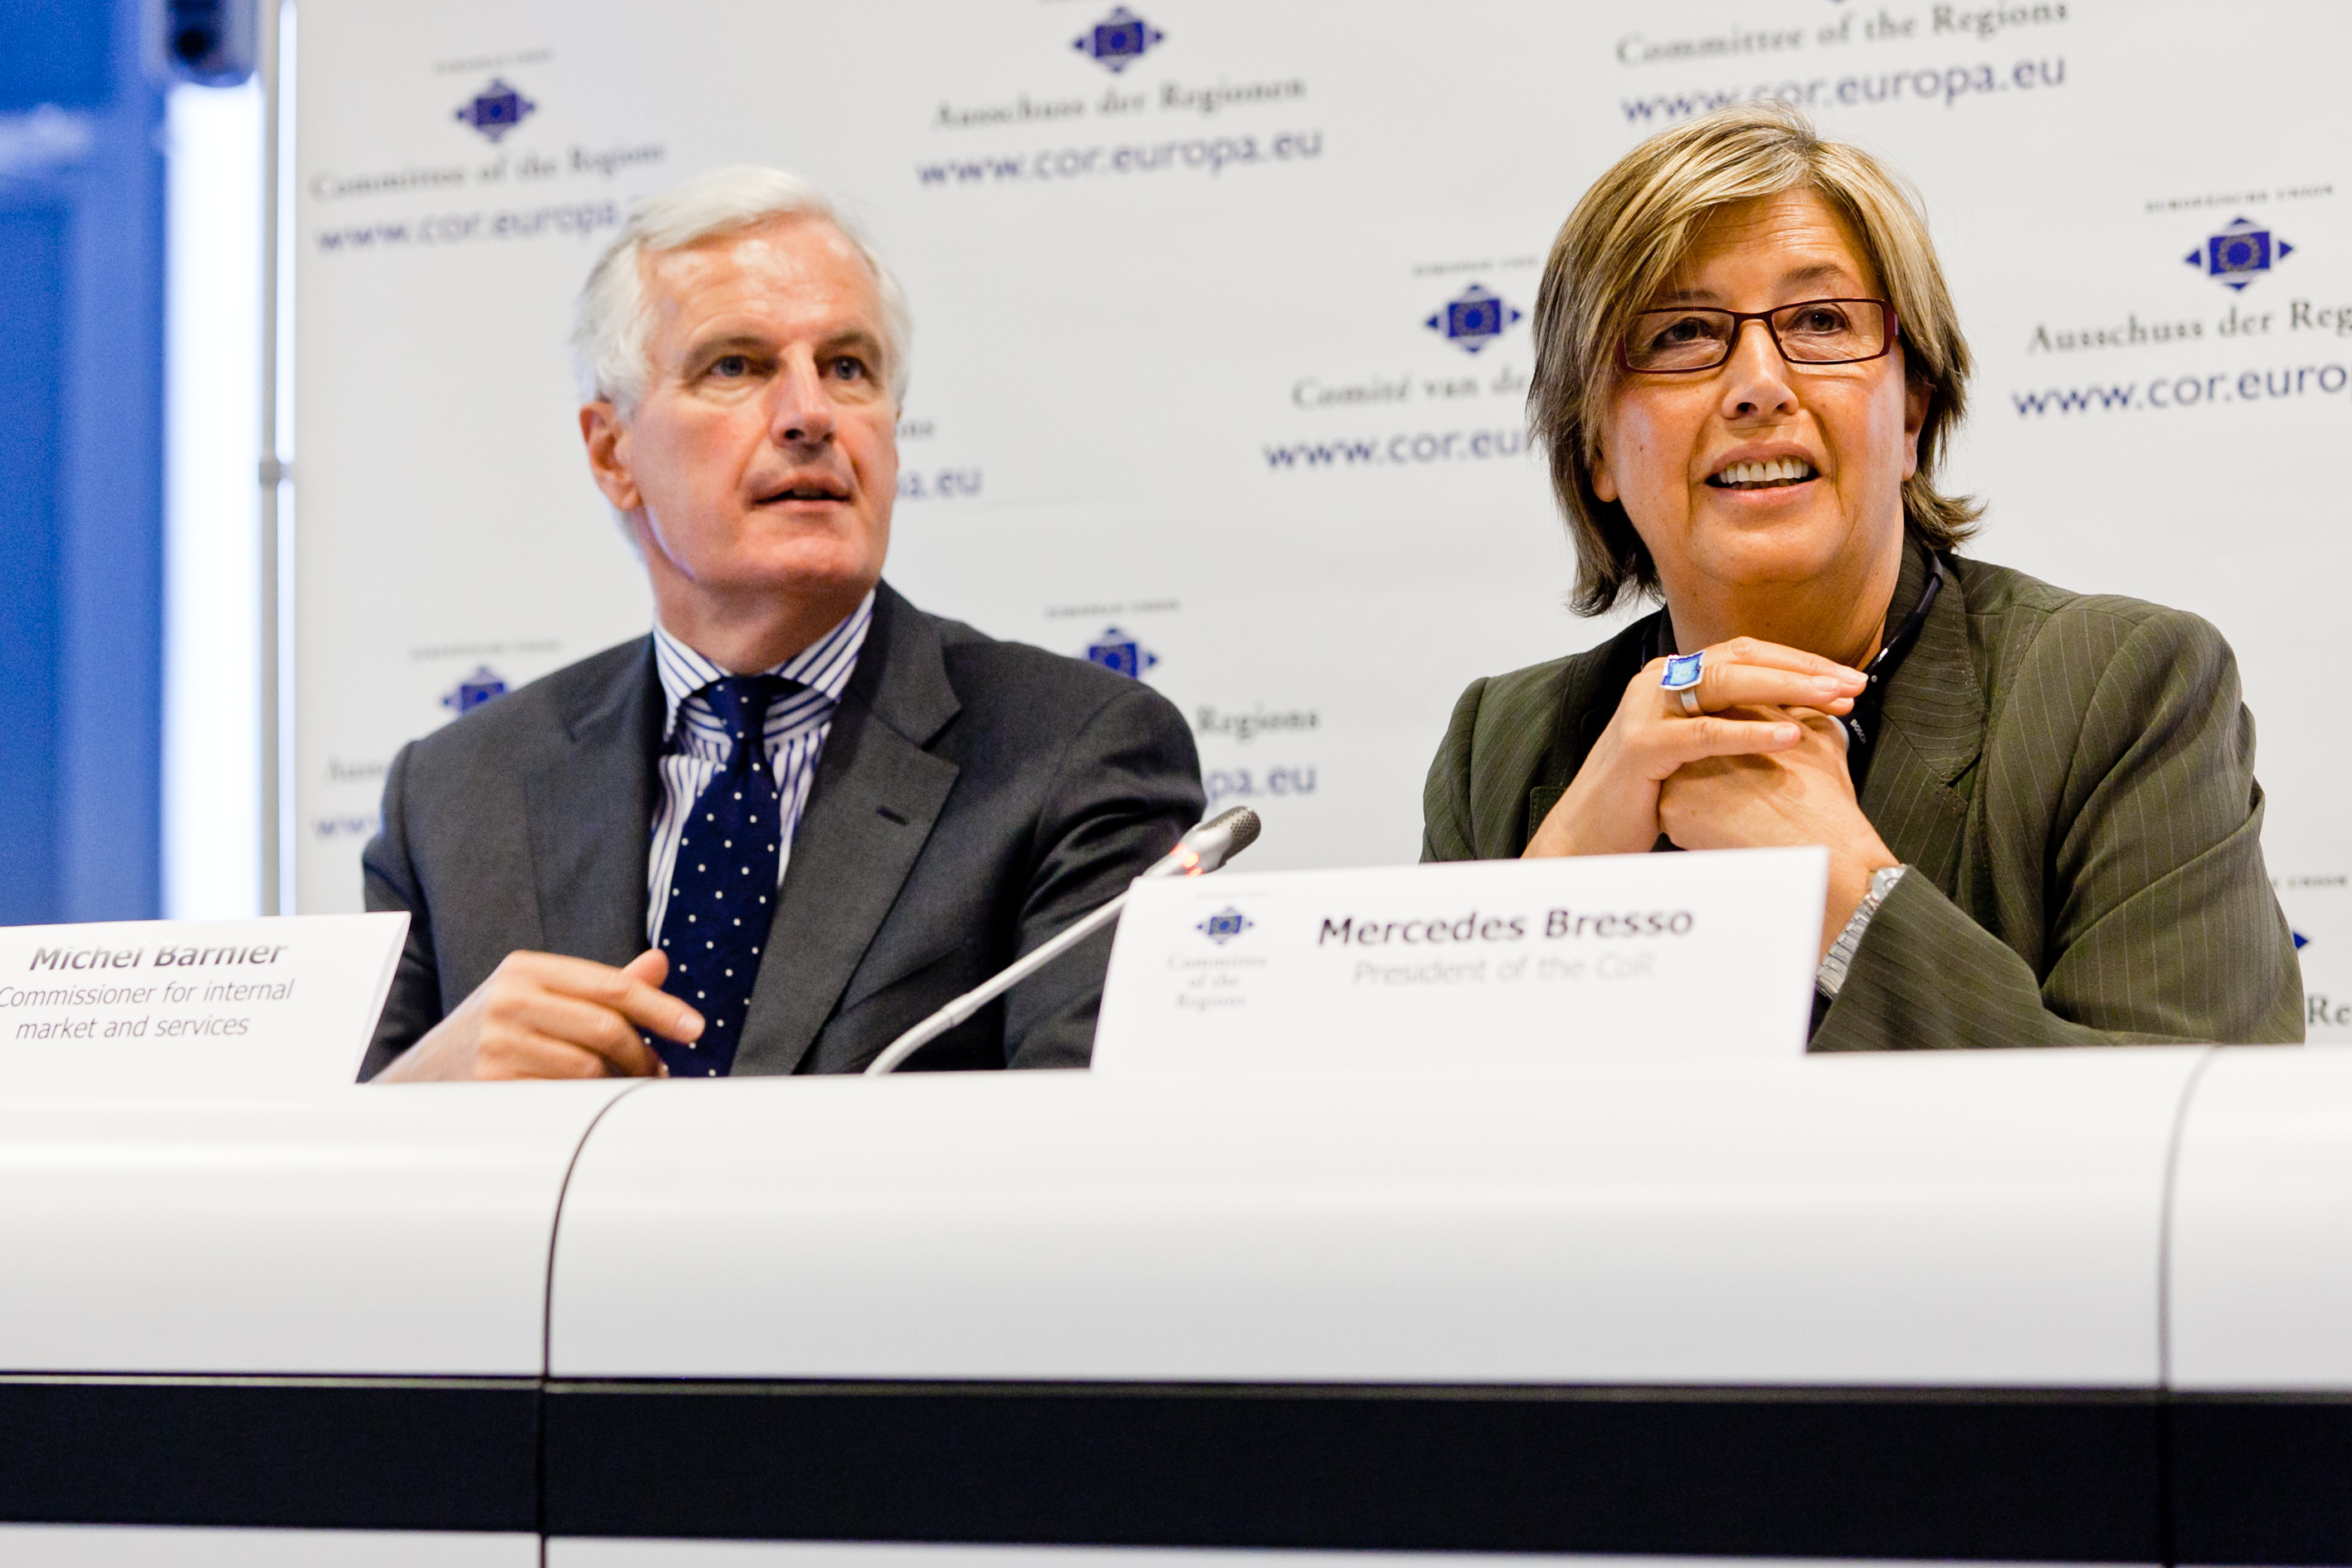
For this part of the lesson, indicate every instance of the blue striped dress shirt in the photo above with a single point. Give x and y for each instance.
(697, 749)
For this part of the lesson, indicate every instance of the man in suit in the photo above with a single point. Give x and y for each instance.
(802, 813)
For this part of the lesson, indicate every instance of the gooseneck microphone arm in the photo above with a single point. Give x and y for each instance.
(1198, 853)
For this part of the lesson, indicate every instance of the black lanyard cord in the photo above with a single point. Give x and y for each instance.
(1862, 723)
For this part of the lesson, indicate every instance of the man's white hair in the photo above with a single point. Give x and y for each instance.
(608, 328)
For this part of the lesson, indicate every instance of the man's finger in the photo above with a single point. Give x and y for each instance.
(648, 1006)
(590, 1025)
(527, 1054)
(630, 1057)
(561, 972)
(573, 1038)
(659, 1011)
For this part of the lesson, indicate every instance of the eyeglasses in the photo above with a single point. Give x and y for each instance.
(1811, 331)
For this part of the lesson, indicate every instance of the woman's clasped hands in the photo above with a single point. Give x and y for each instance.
(1762, 764)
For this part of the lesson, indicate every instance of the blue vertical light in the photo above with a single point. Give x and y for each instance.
(32, 372)
(80, 466)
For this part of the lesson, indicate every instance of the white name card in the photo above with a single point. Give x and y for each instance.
(1471, 964)
(179, 1003)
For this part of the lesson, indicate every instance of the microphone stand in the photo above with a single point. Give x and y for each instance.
(1198, 853)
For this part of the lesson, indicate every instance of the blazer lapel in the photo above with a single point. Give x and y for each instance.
(592, 819)
(1931, 733)
(1590, 688)
(877, 794)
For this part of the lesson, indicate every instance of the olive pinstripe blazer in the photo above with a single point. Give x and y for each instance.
(2070, 778)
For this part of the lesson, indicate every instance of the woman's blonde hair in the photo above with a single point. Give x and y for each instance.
(1624, 243)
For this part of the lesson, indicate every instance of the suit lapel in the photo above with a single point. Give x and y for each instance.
(1931, 733)
(591, 817)
(877, 794)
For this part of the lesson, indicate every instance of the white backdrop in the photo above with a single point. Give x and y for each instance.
(1187, 387)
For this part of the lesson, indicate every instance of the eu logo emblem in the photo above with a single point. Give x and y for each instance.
(2239, 254)
(1475, 319)
(1115, 650)
(1224, 925)
(474, 690)
(496, 110)
(1119, 40)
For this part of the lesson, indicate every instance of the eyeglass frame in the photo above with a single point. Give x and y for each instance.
(1739, 320)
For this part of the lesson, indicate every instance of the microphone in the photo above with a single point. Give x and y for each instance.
(1208, 847)
(1204, 849)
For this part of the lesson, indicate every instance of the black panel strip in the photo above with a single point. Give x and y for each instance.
(2262, 1479)
(2052, 1477)
(326, 1453)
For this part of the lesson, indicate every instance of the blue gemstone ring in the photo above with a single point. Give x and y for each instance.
(1683, 670)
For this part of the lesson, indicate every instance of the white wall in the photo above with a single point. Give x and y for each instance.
(1143, 362)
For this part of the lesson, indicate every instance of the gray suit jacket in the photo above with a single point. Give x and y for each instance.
(974, 797)
(2070, 778)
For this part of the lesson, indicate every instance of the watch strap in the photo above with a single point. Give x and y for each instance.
(1830, 977)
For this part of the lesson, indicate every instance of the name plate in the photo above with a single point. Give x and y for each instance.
(1488, 962)
(244, 1004)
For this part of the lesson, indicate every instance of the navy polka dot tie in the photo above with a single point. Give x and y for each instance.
(722, 890)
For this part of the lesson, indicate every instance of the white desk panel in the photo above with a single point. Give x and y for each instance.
(166, 1546)
(2261, 1225)
(384, 1230)
(1985, 1220)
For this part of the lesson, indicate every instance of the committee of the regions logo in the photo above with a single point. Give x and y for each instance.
(1474, 318)
(1224, 925)
(1115, 650)
(477, 688)
(2239, 254)
(1119, 40)
(495, 110)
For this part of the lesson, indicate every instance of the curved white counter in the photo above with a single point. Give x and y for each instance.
(1896, 1221)
(2061, 1306)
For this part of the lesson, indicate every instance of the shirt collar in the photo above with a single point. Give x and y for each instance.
(823, 666)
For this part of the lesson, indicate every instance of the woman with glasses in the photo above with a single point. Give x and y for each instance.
(2040, 806)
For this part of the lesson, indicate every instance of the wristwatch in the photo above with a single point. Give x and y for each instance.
(1832, 973)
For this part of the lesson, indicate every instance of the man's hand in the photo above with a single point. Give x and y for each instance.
(1800, 795)
(1612, 808)
(543, 1016)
